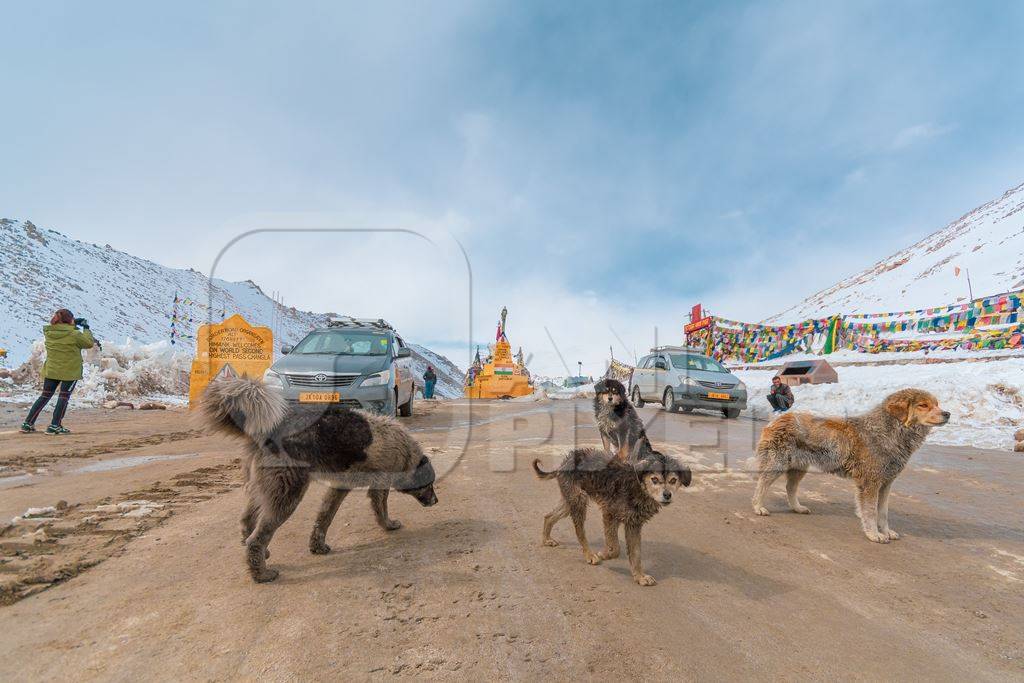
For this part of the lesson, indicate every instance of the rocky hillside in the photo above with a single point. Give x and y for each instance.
(128, 297)
(988, 241)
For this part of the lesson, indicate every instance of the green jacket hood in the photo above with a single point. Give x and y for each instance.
(57, 331)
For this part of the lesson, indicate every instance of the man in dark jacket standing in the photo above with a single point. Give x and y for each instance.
(780, 396)
(429, 380)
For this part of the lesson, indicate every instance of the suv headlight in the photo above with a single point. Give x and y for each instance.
(741, 386)
(688, 381)
(377, 379)
(272, 379)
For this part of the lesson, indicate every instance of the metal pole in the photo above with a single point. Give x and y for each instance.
(970, 291)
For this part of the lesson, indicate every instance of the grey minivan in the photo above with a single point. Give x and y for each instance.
(352, 362)
(683, 378)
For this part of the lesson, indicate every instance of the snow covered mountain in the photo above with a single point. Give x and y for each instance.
(128, 297)
(988, 242)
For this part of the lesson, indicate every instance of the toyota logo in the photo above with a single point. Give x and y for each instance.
(320, 378)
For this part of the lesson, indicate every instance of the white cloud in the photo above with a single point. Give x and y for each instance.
(919, 133)
(855, 177)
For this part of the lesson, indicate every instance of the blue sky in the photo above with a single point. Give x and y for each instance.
(603, 165)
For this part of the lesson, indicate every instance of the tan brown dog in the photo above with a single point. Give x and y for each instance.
(872, 449)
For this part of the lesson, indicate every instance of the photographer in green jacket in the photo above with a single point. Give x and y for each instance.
(62, 369)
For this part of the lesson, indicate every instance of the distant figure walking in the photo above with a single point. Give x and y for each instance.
(62, 369)
(429, 380)
(780, 396)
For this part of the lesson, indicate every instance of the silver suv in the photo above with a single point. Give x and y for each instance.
(681, 377)
(358, 363)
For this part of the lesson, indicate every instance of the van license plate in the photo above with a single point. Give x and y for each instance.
(319, 397)
(714, 394)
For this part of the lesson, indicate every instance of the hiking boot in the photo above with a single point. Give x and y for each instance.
(57, 429)
(26, 428)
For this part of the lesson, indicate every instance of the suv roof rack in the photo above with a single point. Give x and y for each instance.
(669, 347)
(349, 321)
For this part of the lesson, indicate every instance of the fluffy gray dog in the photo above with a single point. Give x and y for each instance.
(289, 446)
(622, 430)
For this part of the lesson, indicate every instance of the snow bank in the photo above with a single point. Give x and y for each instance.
(850, 357)
(985, 399)
(119, 371)
(582, 391)
(537, 395)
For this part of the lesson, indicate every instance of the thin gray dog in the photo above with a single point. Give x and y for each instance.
(628, 495)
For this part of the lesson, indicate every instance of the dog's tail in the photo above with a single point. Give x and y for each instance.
(242, 407)
(541, 474)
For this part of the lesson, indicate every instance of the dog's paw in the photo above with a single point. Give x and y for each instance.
(891, 534)
(802, 510)
(761, 510)
(877, 537)
(593, 558)
(550, 542)
(645, 580)
(393, 525)
(318, 547)
(265, 575)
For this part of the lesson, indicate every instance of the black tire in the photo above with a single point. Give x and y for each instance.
(638, 400)
(731, 413)
(668, 401)
(405, 410)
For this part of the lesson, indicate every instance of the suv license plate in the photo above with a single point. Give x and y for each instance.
(714, 394)
(319, 397)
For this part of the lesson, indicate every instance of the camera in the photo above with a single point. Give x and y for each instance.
(82, 322)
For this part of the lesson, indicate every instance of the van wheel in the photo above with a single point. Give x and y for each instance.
(731, 413)
(406, 409)
(669, 400)
(637, 400)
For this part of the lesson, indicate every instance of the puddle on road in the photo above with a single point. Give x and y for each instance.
(129, 461)
(7, 482)
(99, 466)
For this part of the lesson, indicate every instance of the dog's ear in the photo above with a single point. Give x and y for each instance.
(638, 446)
(685, 475)
(601, 387)
(899, 406)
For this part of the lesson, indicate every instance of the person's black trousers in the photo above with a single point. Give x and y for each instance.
(49, 387)
(780, 402)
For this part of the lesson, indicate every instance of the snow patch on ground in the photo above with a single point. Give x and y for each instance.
(985, 400)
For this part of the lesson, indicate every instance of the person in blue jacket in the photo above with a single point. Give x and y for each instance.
(429, 380)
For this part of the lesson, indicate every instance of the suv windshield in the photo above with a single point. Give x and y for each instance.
(344, 343)
(686, 361)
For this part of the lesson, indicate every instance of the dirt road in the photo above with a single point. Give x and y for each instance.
(141, 575)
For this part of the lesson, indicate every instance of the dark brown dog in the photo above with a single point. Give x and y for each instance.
(287, 447)
(622, 430)
(872, 449)
(628, 495)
